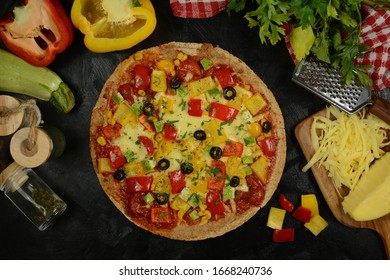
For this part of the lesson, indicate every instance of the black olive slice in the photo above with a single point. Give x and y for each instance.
(175, 83)
(229, 93)
(186, 167)
(234, 181)
(216, 152)
(119, 175)
(200, 135)
(148, 109)
(162, 198)
(163, 164)
(266, 126)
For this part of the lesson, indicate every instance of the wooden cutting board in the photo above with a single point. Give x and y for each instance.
(332, 196)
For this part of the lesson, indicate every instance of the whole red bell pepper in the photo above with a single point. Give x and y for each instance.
(37, 31)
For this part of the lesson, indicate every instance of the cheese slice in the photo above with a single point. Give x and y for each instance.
(371, 197)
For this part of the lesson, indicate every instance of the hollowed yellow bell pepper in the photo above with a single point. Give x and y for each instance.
(113, 25)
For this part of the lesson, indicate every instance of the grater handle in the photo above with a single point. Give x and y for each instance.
(380, 108)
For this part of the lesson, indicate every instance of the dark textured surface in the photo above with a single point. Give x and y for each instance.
(92, 228)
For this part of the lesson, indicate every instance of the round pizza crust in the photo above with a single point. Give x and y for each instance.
(218, 56)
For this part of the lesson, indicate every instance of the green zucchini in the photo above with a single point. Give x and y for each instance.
(18, 76)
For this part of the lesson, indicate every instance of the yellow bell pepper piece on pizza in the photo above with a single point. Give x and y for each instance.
(113, 25)
(260, 167)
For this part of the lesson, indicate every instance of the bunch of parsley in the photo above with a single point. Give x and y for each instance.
(328, 29)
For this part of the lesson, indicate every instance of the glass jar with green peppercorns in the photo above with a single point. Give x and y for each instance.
(31, 195)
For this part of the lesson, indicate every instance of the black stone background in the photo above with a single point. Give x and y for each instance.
(92, 228)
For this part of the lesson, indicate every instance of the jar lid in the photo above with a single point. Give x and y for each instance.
(10, 123)
(38, 154)
(7, 172)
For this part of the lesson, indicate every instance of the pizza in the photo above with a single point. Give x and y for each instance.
(187, 141)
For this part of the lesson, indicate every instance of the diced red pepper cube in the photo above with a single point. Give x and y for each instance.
(283, 235)
(222, 112)
(161, 215)
(233, 148)
(139, 184)
(169, 132)
(214, 202)
(285, 203)
(224, 77)
(195, 107)
(178, 180)
(117, 159)
(302, 214)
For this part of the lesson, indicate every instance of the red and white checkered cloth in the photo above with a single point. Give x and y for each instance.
(376, 35)
(197, 8)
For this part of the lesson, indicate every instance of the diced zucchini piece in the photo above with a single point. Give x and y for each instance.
(194, 215)
(118, 98)
(194, 200)
(228, 193)
(247, 160)
(206, 63)
(148, 198)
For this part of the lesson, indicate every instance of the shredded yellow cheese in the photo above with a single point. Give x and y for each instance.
(346, 145)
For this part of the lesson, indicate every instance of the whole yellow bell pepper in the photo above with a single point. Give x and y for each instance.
(112, 25)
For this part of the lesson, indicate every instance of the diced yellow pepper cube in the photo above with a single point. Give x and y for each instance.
(215, 131)
(260, 168)
(255, 103)
(167, 65)
(104, 166)
(134, 169)
(180, 204)
(201, 86)
(158, 82)
(276, 218)
(316, 224)
(310, 201)
(124, 115)
(161, 184)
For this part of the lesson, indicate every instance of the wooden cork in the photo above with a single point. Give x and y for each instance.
(9, 123)
(31, 147)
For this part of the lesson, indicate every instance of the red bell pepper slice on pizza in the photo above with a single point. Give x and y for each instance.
(161, 215)
(117, 159)
(195, 107)
(148, 144)
(112, 131)
(169, 132)
(268, 146)
(218, 173)
(177, 179)
(37, 31)
(222, 112)
(141, 77)
(214, 203)
(224, 77)
(139, 184)
(146, 123)
(232, 149)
